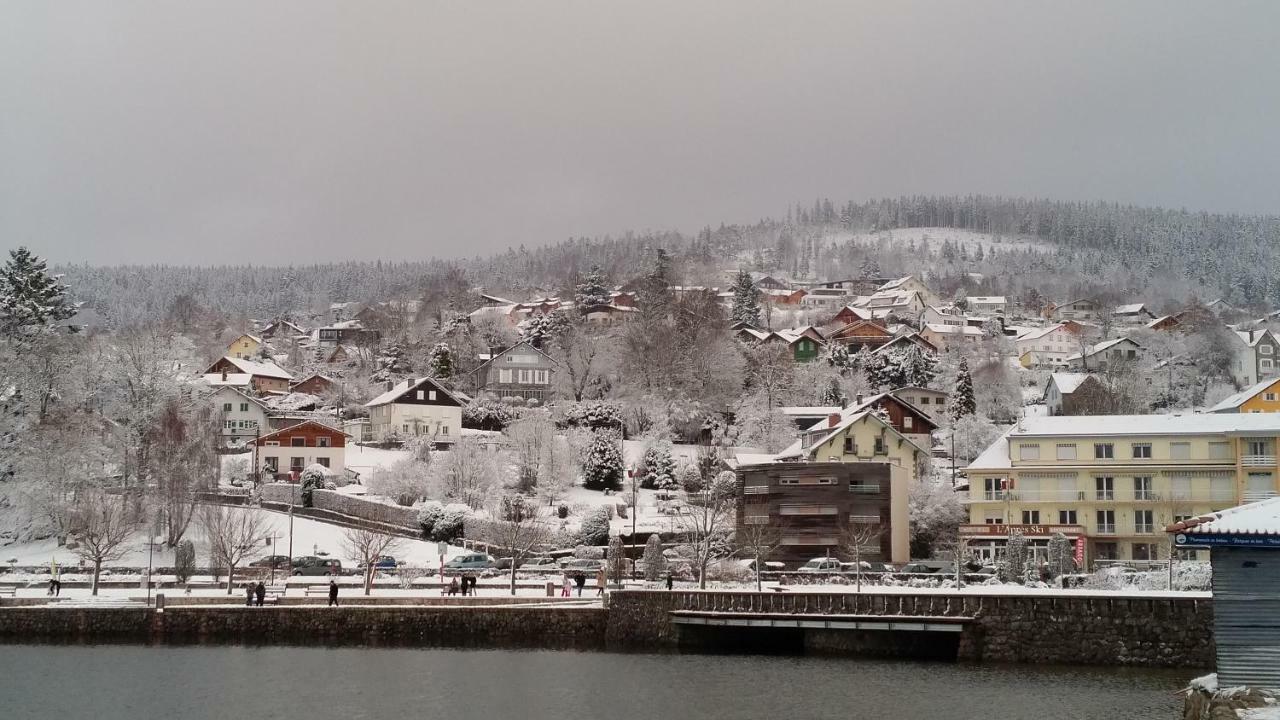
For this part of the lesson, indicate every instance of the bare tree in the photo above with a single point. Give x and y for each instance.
(102, 525)
(367, 547)
(232, 533)
(856, 539)
(521, 533)
(757, 541)
(468, 472)
(183, 459)
(581, 353)
(707, 521)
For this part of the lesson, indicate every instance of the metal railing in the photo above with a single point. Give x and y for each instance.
(1107, 529)
(1258, 460)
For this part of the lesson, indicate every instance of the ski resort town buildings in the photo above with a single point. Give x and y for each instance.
(416, 408)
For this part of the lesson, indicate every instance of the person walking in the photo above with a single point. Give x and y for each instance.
(601, 580)
(564, 584)
(333, 593)
(669, 581)
(248, 595)
(474, 590)
(581, 581)
(57, 587)
(260, 592)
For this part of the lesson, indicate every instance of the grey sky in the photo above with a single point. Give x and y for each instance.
(270, 132)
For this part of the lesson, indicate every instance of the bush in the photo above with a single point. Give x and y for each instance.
(602, 462)
(595, 526)
(184, 561)
(617, 559)
(594, 414)
(588, 552)
(451, 523)
(515, 508)
(486, 414)
(562, 512)
(654, 562)
(428, 515)
(313, 478)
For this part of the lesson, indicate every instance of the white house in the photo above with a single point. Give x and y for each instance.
(293, 449)
(1048, 346)
(243, 416)
(1255, 355)
(949, 337)
(1098, 356)
(987, 304)
(415, 408)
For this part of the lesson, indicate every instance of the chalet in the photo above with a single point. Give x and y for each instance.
(1049, 346)
(414, 408)
(1255, 354)
(243, 416)
(314, 384)
(1081, 309)
(904, 341)
(340, 311)
(903, 416)
(905, 304)
(859, 334)
(347, 332)
(950, 337)
(945, 315)
(520, 372)
(282, 328)
(262, 376)
(1075, 394)
(1108, 352)
(284, 454)
(1221, 307)
(929, 401)
(909, 284)
(607, 314)
(849, 315)
(1166, 322)
(768, 282)
(344, 354)
(1263, 397)
(245, 347)
(806, 342)
(1133, 313)
(782, 297)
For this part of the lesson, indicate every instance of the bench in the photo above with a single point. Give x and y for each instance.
(314, 590)
(275, 592)
(10, 590)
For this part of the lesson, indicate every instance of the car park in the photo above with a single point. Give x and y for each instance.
(275, 562)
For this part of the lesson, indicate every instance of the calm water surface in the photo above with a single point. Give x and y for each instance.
(253, 683)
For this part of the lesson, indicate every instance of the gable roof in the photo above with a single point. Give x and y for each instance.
(232, 388)
(880, 330)
(1102, 347)
(1233, 402)
(1131, 309)
(1066, 383)
(254, 338)
(256, 368)
(942, 329)
(848, 418)
(1259, 518)
(914, 338)
(295, 426)
(410, 385)
(1037, 333)
(1251, 338)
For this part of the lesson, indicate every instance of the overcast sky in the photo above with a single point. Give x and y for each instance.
(272, 132)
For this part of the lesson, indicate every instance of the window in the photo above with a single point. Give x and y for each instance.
(1181, 518)
(880, 448)
(1265, 349)
(1145, 551)
(1265, 364)
(526, 377)
(849, 447)
(323, 461)
(1143, 521)
(322, 442)
(1142, 451)
(924, 400)
(1181, 488)
(421, 395)
(244, 407)
(431, 395)
(1219, 451)
(994, 520)
(230, 424)
(295, 463)
(1258, 447)
(1028, 452)
(1269, 397)
(939, 402)
(226, 407)
(808, 510)
(1066, 517)
(1142, 489)
(297, 442)
(1180, 451)
(444, 429)
(1067, 451)
(906, 422)
(405, 428)
(993, 488)
(504, 375)
(1106, 522)
(1105, 551)
(271, 463)
(1105, 488)
(272, 443)
(1222, 488)
(1104, 451)
(1030, 517)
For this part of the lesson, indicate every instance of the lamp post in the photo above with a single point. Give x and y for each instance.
(151, 549)
(274, 559)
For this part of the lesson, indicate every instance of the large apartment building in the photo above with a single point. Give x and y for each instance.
(1111, 483)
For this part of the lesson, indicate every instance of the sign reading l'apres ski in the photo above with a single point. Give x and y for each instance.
(1001, 529)
(1226, 539)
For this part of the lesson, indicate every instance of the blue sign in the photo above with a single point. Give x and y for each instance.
(1227, 540)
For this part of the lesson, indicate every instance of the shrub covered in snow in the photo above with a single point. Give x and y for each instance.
(184, 561)
(589, 552)
(314, 477)
(602, 462)
(595, 526)
(657, 468)
(1013, 564)
(617, 559)
(487, 414)
(594, 414)
(654, 563)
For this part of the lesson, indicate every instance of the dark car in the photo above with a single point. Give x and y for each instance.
(384, 562)
(312, 565)
(917, 568)
(275, 562)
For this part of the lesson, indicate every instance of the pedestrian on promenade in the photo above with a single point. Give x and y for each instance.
(600, 582)
(453, 586)
(564, 584)
(333, 593)
(248, 595)
(57, 587)
(473, 581)
(260, 592)
(581, 581)
(669, 580)
(52, 582)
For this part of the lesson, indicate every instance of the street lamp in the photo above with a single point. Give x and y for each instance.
(274, 558)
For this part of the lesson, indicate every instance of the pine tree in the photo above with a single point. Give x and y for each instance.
(440, 361)
(31, 299)
(963, 402)
(592, 291)
(657, 467)
(870, 269)
(617, 559)
(602, 464)
(746, 305)
(654, 562)
(832, 393)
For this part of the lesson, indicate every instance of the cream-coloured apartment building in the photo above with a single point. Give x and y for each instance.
(1111, 483)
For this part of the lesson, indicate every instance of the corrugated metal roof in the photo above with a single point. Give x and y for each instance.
(1260, 518)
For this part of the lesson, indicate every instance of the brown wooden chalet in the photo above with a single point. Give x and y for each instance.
(859, 334)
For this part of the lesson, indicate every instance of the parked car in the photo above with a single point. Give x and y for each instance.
(312, 565)
(275, 562)
(582, 565)
(917, 568)
(385, 562)
(868, 568)
(822, 564)
(540, 563)
(473, 561)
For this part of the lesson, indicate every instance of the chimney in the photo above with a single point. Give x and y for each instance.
(857, 399)
(390, 384)
(833, 419)
(224, 375)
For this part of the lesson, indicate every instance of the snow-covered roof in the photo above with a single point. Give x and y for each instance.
(1130, 309)
(1252, 337)
(259, 368)
(232, 388)
(1068, 382)
(988, 299)
(953, 329)
(231, 379)
(848, 417)
(1232, 402)
(404, 387)
(807, 411)
(1167, 424)
(995, 457)
(295, 426)
(1037, 333)
(254, 338)
(892, 284)
(1100, 347)
(1259, 518)
(293, 401)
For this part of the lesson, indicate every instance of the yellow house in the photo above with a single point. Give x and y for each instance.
(1263, 397)
(245, 347)
(1111, 483)
(865, 437)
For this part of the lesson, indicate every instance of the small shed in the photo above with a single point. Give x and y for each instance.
(1244, 547)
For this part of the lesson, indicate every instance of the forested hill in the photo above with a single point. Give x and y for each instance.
(1030, 250)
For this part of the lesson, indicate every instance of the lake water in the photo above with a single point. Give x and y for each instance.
(68, 682)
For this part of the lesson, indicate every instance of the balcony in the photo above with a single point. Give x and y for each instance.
(1144, 528)
(1146, 496)
(1107, 529)
(756, 490)
(1258, 496)
(864, 488)
(1258, 460)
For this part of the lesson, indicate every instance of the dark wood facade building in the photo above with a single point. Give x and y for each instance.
(812, 507)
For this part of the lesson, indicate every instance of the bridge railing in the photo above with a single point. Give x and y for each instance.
(802, 603)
